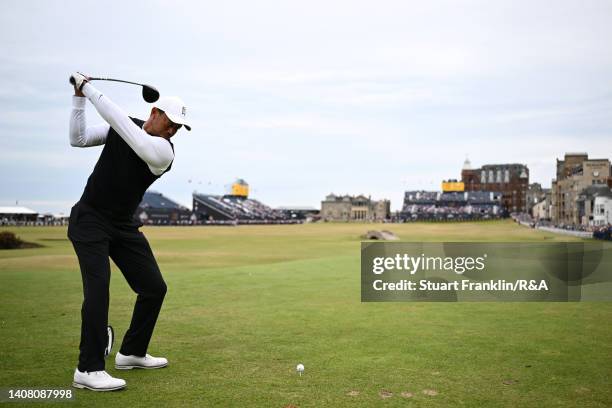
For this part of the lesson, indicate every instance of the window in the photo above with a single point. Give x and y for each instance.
(507, 176)
(499, 176)
(483, 176)
(491, 179)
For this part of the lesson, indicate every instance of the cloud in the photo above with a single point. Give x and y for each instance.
(304, 98)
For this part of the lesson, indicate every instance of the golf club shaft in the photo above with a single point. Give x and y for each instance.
(114, 80)
(109, 79)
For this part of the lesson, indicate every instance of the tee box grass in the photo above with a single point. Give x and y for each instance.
(246, 304)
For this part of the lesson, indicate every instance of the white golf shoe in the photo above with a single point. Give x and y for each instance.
(123, 362)
(97, 381)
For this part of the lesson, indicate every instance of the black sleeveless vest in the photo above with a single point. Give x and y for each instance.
(119, 180)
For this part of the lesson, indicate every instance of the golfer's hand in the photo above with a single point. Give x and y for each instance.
(78, 80)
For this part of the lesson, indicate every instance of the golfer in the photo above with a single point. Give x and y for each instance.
(102, 225)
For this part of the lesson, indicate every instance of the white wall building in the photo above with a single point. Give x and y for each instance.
(541, 210)
(602, 210)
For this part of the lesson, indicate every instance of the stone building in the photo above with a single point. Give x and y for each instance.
(575, 174)
(511, 180)
(536, 194)
(354, 208)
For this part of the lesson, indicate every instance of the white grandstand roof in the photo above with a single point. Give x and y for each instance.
(16, 210)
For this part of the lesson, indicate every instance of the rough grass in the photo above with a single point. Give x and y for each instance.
(246, 304)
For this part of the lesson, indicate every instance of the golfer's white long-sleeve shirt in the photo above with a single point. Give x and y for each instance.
(153, 150)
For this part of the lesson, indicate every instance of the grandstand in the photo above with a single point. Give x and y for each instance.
(456, 206)
(236, 209)
(17, 216)
(156, 209)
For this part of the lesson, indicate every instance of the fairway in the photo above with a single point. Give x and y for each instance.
(246, 304)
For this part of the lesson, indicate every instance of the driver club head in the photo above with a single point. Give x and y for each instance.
(150, 94)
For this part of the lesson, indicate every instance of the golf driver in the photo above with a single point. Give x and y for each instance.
(149, 93)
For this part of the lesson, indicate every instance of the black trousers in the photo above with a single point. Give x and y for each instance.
(95, 239)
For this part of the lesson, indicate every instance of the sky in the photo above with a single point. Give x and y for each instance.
(302, 99)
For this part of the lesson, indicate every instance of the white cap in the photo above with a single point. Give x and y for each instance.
(174, 108)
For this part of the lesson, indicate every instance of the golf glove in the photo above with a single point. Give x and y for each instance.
(79, 80)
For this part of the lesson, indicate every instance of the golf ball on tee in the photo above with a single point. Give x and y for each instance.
(300, 368)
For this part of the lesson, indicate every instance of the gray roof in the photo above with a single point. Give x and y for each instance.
(598, 190)
(153, 199)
